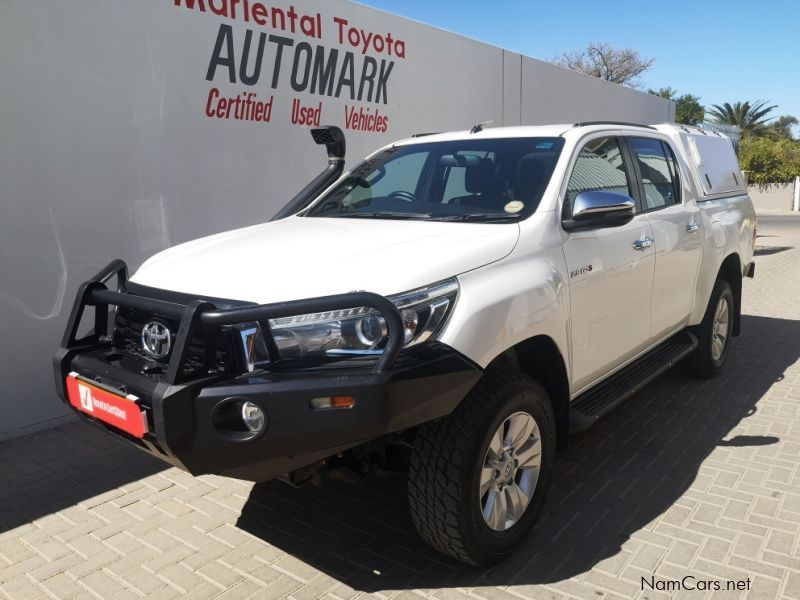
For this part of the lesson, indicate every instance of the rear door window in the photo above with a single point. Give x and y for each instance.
(658, 171)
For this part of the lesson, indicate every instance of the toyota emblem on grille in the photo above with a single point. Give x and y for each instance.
(156, 339)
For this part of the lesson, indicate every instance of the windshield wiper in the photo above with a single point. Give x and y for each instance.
(382, 215)
(479, 217)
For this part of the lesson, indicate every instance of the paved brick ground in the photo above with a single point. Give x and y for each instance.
(689, 478)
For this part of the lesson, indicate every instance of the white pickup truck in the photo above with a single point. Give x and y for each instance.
(464, 301)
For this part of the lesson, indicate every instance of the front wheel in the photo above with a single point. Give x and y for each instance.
(478, 478)
(714, 333)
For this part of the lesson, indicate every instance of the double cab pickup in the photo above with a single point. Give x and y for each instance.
(457, 304)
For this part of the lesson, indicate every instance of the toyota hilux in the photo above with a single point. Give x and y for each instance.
(464, 301)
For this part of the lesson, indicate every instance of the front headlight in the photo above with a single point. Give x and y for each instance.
(363, 330)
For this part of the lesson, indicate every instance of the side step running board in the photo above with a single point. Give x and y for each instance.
(587, 408)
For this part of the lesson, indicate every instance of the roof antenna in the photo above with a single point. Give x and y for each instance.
(479, 127)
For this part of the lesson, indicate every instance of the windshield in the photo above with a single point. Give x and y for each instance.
(493, 180)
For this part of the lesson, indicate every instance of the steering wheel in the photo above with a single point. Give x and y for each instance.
(403, 195)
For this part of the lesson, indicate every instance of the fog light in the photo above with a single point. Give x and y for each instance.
(253, 416)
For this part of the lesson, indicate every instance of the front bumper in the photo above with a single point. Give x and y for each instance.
(401, 389)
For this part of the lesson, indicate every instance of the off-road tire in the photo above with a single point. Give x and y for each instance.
(446, 462)
(701, 362)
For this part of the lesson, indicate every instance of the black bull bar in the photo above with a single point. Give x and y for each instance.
(201, 318)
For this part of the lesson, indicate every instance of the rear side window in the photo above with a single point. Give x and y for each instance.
(659, 172)
(600, 166)
(717, 164)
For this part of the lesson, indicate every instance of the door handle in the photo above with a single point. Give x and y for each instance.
(692, 227)
(641, 244)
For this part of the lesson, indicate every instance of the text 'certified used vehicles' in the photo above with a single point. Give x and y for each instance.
(457, 302)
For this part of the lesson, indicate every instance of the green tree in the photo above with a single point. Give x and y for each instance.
(769, 161)
(750, 118)
(782, 126)
(688, 109)
(599, 59)
(666, 92)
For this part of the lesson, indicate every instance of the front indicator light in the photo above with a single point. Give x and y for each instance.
(333, 402)
(410, 322)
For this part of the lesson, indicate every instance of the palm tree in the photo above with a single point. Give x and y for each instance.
(751, 119)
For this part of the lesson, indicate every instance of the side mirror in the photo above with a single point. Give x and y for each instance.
(595, 209)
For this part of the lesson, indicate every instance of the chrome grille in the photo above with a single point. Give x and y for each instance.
(128, 327)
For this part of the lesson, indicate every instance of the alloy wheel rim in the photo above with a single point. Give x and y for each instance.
(719, 329)
(510, 471)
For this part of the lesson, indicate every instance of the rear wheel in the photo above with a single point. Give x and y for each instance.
(714, 333)
(478, 478)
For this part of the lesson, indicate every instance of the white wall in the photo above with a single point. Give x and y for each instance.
(107, 152)
(778, 196)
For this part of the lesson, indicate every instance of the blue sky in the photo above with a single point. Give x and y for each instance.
(723, 52)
